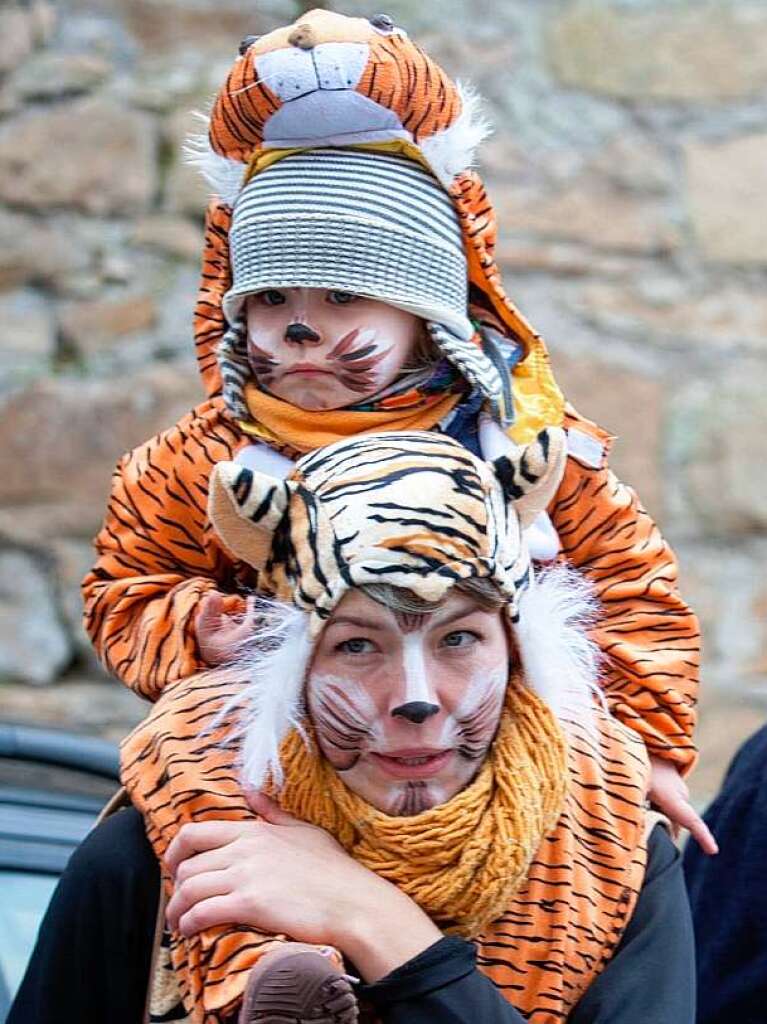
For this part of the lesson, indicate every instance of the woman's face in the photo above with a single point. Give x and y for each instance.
(320, 349)
(406, 706)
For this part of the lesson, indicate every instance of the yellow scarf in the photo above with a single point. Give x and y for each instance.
(463, 860)
(281, 424)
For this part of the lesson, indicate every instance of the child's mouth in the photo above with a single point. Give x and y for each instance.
(308, 370)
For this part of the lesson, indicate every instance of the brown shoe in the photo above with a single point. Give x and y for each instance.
(296, 984)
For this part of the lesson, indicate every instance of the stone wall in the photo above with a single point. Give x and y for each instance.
(628, 168)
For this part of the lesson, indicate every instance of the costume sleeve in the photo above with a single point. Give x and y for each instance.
(648, 635)
(156, 558)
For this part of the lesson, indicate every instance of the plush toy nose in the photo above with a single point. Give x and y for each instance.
(416, 711)
(303, 37)
(301, 334)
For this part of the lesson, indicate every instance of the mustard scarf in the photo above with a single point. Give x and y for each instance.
(462, 861)
(285, 426)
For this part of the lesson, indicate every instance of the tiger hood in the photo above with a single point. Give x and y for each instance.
(332, 80)
(353, 513)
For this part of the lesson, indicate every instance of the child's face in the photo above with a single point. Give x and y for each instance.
(405, 707)
(321, 349)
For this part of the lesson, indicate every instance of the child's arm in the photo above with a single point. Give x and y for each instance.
(647, 634)
(157, 557)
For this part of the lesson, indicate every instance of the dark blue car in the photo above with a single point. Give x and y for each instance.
(52, 787)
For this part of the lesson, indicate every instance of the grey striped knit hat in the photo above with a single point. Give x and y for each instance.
(375, 224)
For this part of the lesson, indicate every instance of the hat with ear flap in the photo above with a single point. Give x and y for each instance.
(335, 81)
(415, 510)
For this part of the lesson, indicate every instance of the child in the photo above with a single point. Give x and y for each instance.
(319, 229)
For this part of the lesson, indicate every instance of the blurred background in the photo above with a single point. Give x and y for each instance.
(629, 171)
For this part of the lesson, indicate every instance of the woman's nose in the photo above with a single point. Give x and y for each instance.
(301, 334)
(416, 711)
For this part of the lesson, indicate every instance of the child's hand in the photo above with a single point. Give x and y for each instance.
(669, 793)
(219, 633)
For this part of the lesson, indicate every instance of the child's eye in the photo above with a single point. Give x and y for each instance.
(356, 645)
(341, 298)
(271, 297)
(460, 638)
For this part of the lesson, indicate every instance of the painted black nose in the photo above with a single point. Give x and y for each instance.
(301, 334)
(415, 711)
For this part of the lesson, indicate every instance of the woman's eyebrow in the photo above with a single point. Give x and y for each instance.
(351, 620)
(459, 613)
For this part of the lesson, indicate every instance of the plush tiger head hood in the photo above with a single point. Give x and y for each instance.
(415, 510)
(332, 80)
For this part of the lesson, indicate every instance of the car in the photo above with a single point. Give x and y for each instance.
(53, 785)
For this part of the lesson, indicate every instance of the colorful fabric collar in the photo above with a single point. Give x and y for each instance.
(294, 431)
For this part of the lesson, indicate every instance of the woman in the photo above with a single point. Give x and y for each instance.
(401, 715)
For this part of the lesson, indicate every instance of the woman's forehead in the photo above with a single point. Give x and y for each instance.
(361, 607)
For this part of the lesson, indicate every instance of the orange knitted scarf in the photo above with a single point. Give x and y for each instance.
(463, 860)
(275, 421)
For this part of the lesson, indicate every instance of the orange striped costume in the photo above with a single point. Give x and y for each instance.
(157, 556)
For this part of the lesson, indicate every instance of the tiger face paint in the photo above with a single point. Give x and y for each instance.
(405, 707)
(325, 349)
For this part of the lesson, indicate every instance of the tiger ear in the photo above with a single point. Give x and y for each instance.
(530, 474)
(245, 507)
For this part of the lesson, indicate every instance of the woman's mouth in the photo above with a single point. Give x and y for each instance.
(412, 764)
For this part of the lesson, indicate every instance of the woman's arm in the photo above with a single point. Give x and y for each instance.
(440, 986)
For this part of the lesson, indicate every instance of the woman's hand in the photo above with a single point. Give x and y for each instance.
(282, 875)
(669, 793)
(220, 633)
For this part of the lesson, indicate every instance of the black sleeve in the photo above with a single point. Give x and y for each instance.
(649, 980)
(651, 976)
(440, 986)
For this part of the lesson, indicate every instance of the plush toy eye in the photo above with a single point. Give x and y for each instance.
(382, 22)
(246, 44)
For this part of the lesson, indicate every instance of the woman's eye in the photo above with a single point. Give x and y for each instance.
(356, 645)
(460, 638)
(341, 298)
(271, 297)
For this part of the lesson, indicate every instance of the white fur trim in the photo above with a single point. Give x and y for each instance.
(222, 174)
(559, 658)
(542, 539)
(275, 663)
(454, 149)
(266, 460)
(585, 448)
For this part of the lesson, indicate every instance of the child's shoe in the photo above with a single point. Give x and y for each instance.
(297, 983)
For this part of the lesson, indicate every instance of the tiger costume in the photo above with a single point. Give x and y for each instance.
(157, 553)
(348, 516)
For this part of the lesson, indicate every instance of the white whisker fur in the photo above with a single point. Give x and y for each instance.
(223, 175)
(454, 149)
(560, 660)
(274, 663)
